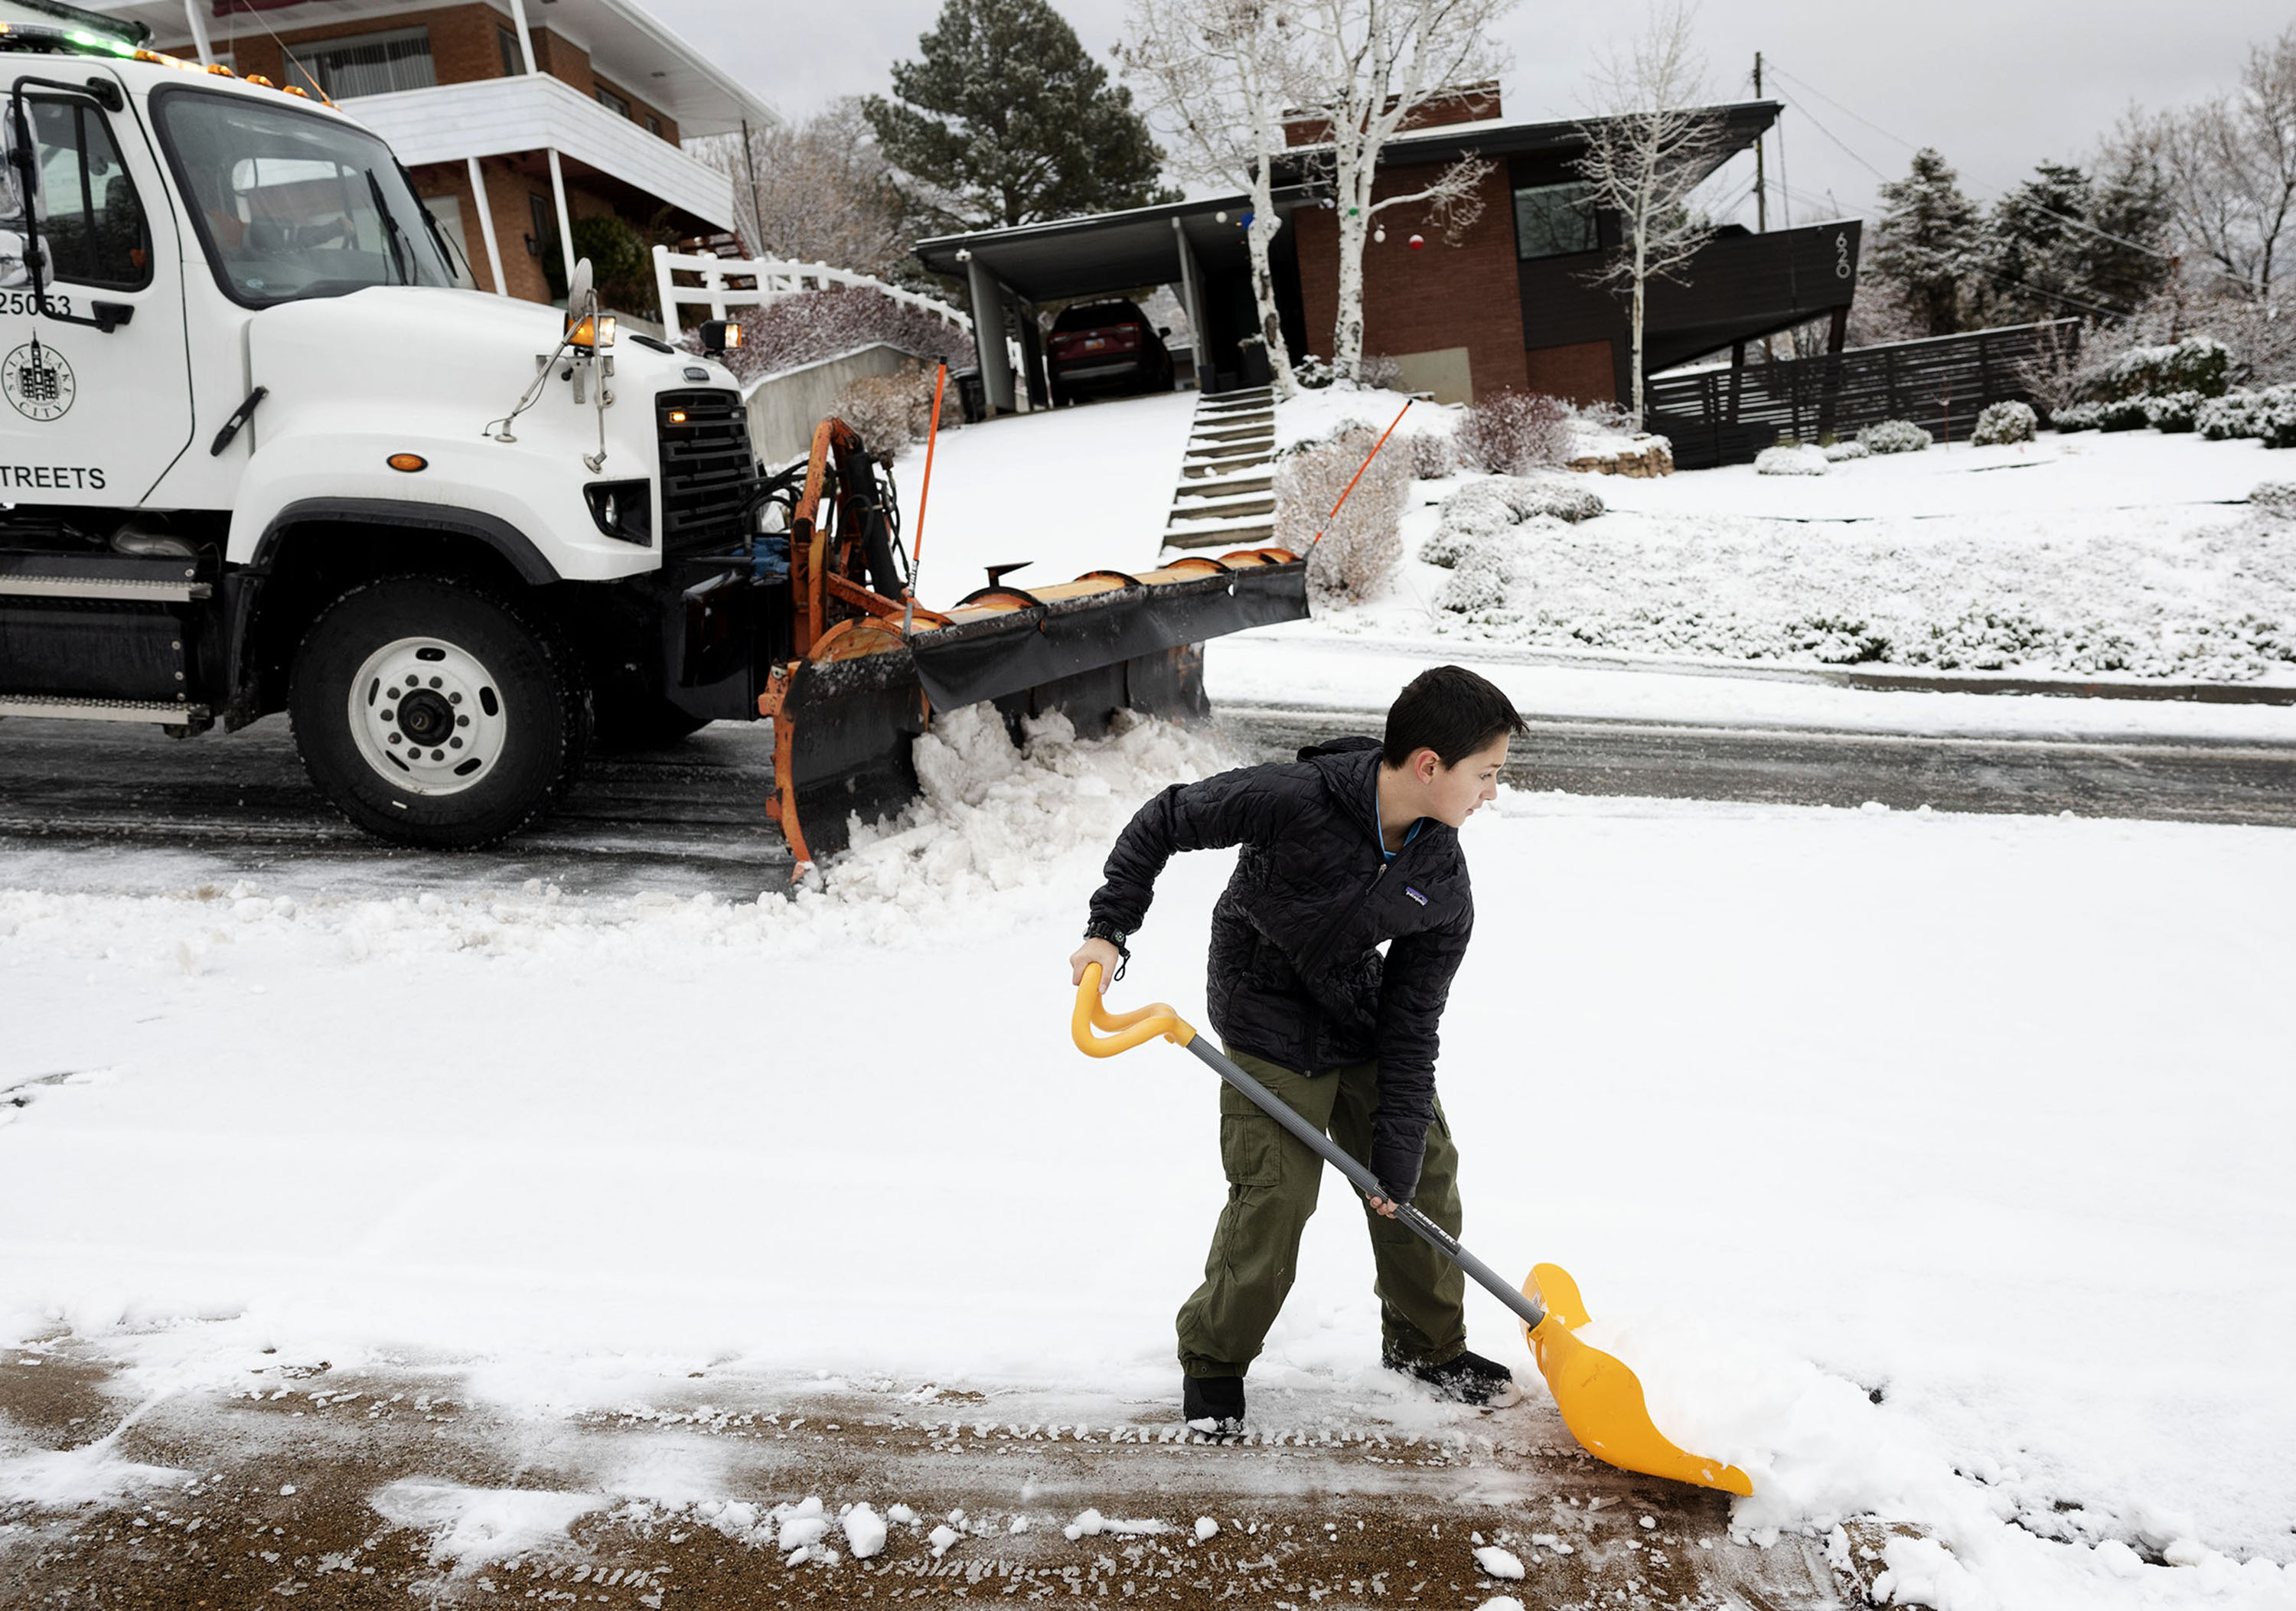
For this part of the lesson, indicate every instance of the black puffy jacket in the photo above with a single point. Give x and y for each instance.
(1294, 974)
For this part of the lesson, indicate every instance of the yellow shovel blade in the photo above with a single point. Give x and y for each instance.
(1601, 1400)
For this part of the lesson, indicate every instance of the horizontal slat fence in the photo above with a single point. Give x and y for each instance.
(1726, 416)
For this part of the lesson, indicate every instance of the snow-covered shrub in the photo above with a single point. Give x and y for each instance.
(1313, 372)
(1795, 460)
(1895, 436)
(1837, 453)
(2276, 498)
(1361, 545)
(2226, 418)
(2005, 422)
(2122, 414)
(2198, 363)
(1480, 579)
(1513, 432)
(1836, 641)
(2171, 412)
(1380, 371)
(1485, 511)
(2274, 417)
(890, 411)
(1562, 498)
(2074, 417)
(1433, 456)
(815, 324)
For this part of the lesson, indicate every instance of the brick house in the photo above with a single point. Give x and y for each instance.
(1509, 304)
(516, 119)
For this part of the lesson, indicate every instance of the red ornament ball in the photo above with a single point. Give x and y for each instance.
(1417, 242)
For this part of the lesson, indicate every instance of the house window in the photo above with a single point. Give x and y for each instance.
(365, 64)
(513, 62)
(612, 102)
(653, 125)
(1555, 220)
(546, 224)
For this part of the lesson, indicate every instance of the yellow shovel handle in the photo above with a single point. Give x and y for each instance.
(1130, 1029)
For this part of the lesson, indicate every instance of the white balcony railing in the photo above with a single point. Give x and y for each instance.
(775, 278)
(494, 117)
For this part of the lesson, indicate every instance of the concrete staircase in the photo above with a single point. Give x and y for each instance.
(1227, 494)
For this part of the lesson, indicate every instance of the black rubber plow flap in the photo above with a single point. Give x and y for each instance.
(846, 732)
(1059, 637)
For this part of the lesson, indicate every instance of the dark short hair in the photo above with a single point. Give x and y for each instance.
(1449, 710)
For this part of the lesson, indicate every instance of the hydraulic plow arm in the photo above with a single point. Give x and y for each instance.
(1600, 1398)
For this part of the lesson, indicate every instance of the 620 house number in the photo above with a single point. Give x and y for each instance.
(23, 301)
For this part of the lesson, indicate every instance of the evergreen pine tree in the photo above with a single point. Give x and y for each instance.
(2130, 208)
(1926, 244)
(1006, 120)
(2035, 253)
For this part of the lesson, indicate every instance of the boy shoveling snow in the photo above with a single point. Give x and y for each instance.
(1354, 845)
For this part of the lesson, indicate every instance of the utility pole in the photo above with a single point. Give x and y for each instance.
(1761, 197)
(1761, 184)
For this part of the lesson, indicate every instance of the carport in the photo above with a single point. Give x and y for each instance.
(1198, 246)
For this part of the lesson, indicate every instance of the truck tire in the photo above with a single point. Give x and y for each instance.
(432, 712)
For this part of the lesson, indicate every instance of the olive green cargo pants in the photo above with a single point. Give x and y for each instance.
(1273, 1180)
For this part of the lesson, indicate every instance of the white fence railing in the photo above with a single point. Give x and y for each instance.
(774, 278)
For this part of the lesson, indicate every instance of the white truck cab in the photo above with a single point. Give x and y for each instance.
(259, 453)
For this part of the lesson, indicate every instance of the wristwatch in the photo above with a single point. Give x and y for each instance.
(1099, 930)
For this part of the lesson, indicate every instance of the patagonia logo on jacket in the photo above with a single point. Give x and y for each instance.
(1414, 894)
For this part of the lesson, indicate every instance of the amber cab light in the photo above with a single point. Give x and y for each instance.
(677, 417)
(595, 334)
(407, 461)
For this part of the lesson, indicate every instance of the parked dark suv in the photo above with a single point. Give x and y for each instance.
(1107, 349)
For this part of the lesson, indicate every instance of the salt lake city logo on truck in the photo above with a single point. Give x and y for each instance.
(38, 381)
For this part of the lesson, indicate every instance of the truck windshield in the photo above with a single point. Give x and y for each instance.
(290, 204)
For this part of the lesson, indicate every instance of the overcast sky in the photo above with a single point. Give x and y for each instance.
(1997, 85)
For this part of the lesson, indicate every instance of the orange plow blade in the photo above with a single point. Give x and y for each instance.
(1601, 1400)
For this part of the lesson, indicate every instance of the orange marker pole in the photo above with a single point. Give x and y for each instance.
(917, 554)
(1374, 454)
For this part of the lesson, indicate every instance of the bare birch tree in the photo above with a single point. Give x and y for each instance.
(2231, 164)
(1649, 144)
(1217, 75)
(1363, 69)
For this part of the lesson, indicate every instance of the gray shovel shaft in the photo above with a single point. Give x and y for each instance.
(1362, 1179)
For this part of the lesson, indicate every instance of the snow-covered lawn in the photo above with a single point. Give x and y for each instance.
(1901, 1199)
(2129, 555)
(2132, 554)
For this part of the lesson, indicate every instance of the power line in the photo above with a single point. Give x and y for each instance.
(1998, 191)
(2063, 298)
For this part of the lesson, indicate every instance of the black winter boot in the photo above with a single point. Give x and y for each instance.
(1213, 1404)
(1468, 1377)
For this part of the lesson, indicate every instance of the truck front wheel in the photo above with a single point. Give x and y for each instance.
(432, 712)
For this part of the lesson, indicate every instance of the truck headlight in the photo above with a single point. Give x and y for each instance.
(623, 510)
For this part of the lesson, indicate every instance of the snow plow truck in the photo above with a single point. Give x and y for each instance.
(259, 454)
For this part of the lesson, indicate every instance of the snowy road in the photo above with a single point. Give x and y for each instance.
(690, 818)
(477, 1506)
(1851, 1122)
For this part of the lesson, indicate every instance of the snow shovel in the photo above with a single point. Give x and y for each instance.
(1601, 1400)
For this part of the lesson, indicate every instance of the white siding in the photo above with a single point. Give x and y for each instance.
(493, 116)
